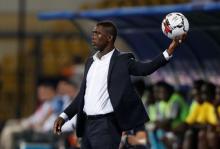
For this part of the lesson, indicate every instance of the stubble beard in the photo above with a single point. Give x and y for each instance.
(97, 49)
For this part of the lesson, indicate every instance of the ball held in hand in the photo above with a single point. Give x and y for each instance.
(174, 24)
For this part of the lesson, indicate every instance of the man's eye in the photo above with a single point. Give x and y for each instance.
(96, 33)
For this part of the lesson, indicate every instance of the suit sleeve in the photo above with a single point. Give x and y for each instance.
(138, 68)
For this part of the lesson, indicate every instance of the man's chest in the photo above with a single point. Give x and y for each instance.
(98, 72)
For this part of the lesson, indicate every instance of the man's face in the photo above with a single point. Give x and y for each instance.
(45, 93)
(100, 38)
(162, 93)
(61, 87)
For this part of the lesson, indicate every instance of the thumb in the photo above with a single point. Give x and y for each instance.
(59, 127)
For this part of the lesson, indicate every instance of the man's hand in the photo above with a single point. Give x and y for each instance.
(175, 43)
(58, 125)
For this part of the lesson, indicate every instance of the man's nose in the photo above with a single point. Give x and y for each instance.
(93, 36)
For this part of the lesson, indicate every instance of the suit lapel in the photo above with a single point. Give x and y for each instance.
(112, 62)
(89, 63)
(83, 86)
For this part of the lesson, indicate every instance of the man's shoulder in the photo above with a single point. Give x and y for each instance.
(126, 54)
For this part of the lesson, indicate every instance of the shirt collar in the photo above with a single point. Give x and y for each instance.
(108, 55)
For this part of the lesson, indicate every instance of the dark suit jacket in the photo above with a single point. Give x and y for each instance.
(128, 107)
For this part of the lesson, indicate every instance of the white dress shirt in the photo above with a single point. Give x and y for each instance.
(96, 96)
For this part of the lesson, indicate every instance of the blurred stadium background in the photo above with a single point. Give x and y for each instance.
(50, 38)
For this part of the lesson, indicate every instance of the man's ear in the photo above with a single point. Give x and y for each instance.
(110, 37)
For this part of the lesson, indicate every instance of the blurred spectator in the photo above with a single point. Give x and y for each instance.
(208, 118)
(150, 103)
(171, 112)
(194, 111)
(160, 107)
(215, 136)
(202, 119)
(202, 105)
(67, 89)
(41, 120)
(217, 103)
(151, 109)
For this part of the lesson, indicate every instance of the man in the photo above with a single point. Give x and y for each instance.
(107, 103)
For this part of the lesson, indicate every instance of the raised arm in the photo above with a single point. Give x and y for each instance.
(138, 68)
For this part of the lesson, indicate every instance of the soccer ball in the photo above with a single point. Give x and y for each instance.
(174, 24)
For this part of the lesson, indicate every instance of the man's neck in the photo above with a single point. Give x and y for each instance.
(105, 51)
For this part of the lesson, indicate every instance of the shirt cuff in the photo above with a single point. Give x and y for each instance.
(166, 55)
(64, 116)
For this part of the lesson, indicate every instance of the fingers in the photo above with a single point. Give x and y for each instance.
(184, 36)
(177, 40)
(59, 130)
(57, 127)
(180, 39)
